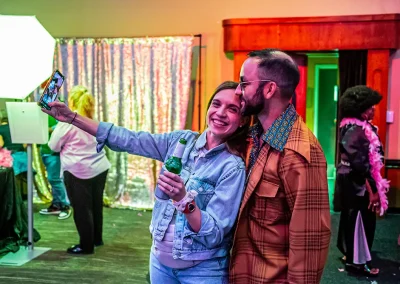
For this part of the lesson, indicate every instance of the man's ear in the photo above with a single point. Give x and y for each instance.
(269, 90)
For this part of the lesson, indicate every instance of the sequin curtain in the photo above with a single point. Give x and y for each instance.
(138, 83)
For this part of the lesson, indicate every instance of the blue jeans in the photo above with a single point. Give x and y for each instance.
(213, 271)
(53, 168)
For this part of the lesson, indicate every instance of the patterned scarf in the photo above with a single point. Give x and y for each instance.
(375, 160)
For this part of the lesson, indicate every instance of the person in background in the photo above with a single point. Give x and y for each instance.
(283, 230)
(360, 190)
(6, 160)
(84, 171)
(60, 205)
(192, 230)
(18, 152)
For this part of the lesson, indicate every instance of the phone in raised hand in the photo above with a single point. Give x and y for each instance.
(51, 90)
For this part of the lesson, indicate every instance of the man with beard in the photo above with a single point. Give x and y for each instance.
(283, 228)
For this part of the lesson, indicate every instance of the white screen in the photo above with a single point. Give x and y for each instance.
(28, 124)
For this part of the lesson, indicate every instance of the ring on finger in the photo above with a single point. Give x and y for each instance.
(172, 189)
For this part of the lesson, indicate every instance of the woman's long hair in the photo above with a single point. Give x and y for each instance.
(236, 143)
(81, 101)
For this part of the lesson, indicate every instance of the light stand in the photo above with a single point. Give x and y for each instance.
(28, 124)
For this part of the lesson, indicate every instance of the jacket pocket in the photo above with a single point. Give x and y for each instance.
(204, 189)
(267, 189)
(268, 203)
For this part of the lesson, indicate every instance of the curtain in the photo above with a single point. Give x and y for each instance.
(352, 72)
(352, 69)
(138, 83)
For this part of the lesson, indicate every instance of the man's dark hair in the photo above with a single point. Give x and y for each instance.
(355, 100)
(283, 71)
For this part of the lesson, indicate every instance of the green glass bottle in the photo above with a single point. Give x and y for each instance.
(173, 165)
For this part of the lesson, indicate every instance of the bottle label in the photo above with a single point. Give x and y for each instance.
(180, 148)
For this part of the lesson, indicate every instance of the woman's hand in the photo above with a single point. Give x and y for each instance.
(172, 185)
(60, 111)
(374, 203)
(374, 199)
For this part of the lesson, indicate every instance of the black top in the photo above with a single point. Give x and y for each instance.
(6, 134)
(354, 156)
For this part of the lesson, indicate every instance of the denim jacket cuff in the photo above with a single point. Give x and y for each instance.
(102, 134)
(206, 228)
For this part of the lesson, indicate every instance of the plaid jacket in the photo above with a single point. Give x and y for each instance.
(283, 229)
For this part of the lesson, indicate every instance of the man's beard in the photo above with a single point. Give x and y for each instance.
(257, 106)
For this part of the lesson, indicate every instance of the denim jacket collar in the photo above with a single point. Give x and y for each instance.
(201, 143)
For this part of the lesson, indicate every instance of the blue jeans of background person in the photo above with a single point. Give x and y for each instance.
(53, 167)
(213, 271)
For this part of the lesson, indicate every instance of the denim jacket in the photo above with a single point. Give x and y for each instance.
(218, 177)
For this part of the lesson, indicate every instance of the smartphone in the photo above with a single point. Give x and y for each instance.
(51, 90)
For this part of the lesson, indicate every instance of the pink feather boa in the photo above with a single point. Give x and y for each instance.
(375, 160)
(6, 159)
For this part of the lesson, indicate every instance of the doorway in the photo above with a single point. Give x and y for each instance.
(322, 101)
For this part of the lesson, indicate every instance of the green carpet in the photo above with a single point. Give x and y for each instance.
(124, 257)
(385, 255)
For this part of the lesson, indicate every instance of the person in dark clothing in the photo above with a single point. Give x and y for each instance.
(360, 188)
(18, 152)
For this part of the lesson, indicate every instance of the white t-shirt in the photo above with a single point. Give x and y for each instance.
(78, 153)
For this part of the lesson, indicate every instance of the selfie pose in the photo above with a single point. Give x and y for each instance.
(192, 230)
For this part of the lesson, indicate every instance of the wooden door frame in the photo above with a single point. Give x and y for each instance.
(379, 34)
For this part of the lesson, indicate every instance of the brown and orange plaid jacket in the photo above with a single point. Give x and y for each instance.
(283, 229)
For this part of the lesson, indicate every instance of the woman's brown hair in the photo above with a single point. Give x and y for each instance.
(236, 143)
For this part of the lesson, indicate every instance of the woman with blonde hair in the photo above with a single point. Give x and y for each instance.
(84, 171)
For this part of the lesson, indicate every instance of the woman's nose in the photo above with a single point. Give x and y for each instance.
(221, 111)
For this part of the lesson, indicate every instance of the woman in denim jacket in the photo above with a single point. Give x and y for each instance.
(192, 231)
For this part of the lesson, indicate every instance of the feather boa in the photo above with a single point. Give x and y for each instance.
(6, 160)
(375, 160)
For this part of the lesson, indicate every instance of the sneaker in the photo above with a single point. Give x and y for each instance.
(52, 210)
(65, 213)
